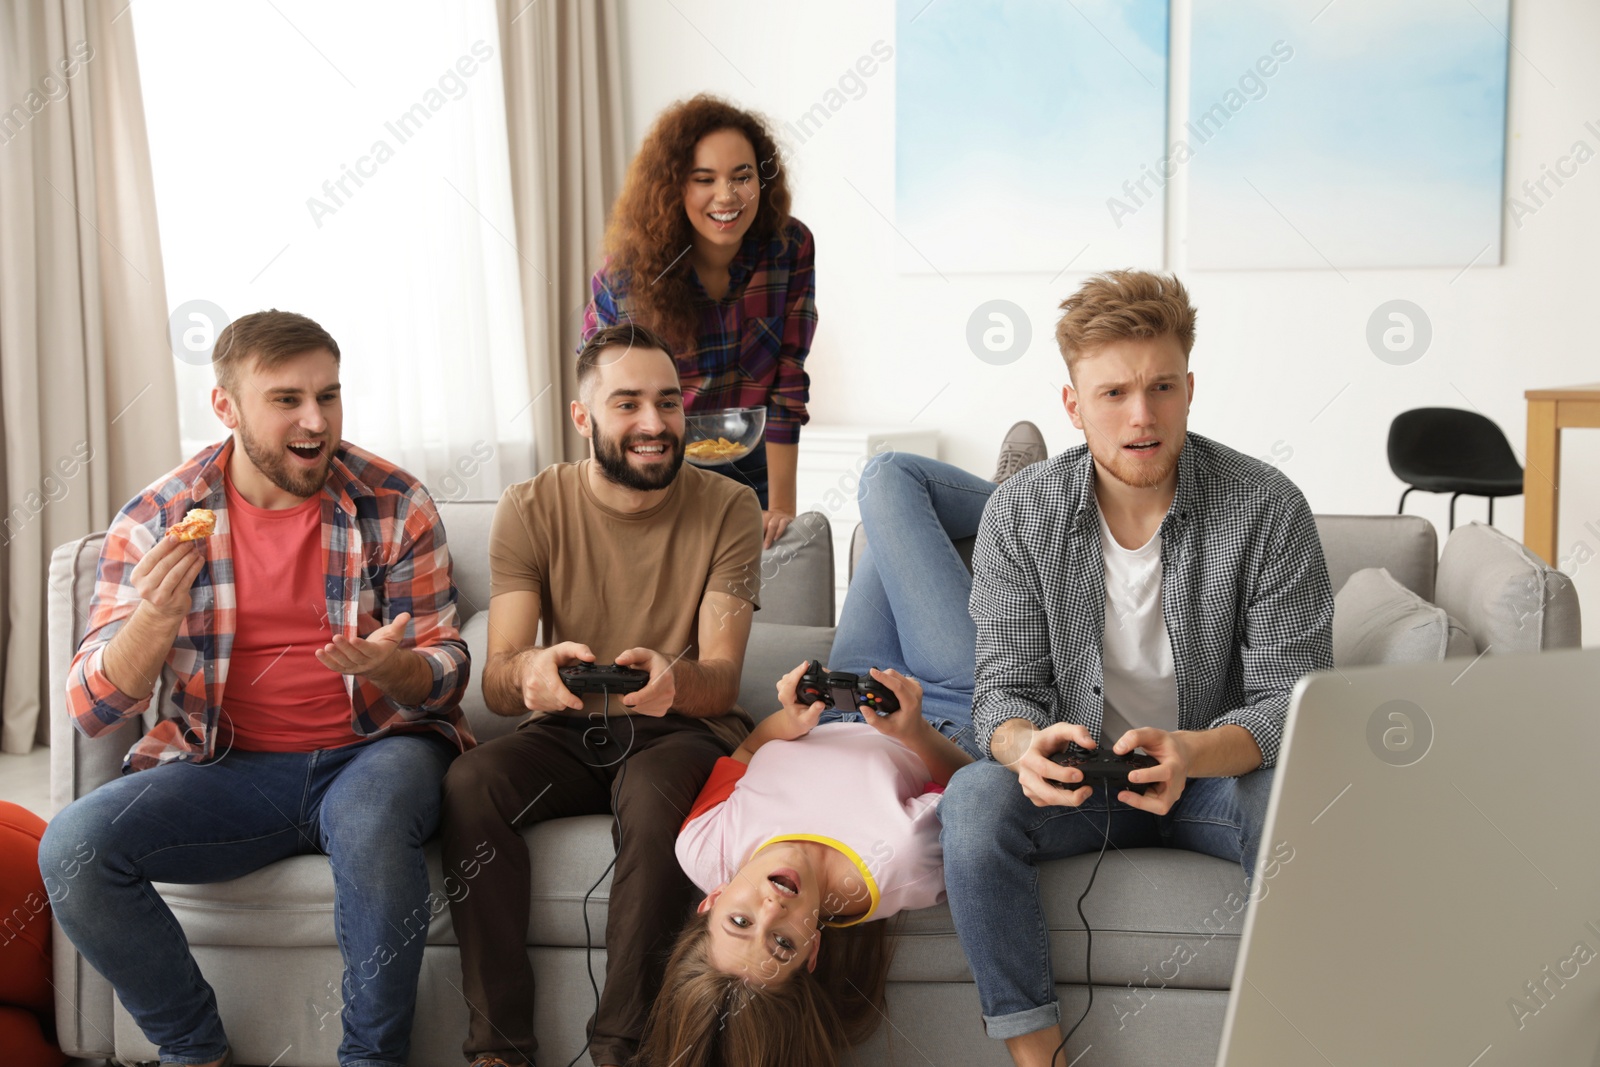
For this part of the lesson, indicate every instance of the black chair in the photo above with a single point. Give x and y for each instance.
(1447, 450)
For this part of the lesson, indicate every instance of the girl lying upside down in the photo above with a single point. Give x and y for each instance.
(805, 828)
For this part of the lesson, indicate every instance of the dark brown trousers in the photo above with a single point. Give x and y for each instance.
(649, 771)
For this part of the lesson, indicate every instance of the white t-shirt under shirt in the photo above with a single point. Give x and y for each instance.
(1141, 688)
(844, 785)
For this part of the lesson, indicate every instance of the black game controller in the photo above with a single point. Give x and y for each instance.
(603, 678)
(843, 689)
(1103, 766)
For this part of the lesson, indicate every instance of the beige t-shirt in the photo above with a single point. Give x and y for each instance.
(616, 581)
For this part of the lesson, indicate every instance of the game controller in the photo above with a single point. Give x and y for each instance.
(843, 689)
(1103, 766)
(603, 678)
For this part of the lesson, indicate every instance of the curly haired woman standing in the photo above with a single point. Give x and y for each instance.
(702, 249)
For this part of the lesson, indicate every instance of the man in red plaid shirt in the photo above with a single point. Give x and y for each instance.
(310, 671)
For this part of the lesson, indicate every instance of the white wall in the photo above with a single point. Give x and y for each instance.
(1281, 362)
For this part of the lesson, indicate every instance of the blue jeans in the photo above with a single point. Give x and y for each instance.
(994, 839)
(368, 806)
(907, 604)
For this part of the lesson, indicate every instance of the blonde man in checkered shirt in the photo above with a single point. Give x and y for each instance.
(1149, 590)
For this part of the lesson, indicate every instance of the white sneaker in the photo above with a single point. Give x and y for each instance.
(1023, 445)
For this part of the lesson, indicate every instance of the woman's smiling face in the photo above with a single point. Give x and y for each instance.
(723, 192)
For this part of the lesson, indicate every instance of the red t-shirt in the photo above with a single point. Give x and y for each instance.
(278, 698)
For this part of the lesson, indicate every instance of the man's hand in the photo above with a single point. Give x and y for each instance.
(164, 576)
(656, 698)
(1166, 782)
(539, 681)
(907, 723)
(1035, 771)
(773, 522)
(365, 655)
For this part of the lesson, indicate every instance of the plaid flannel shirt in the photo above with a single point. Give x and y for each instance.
(384, 552)
(752, 344)
(1244, 592)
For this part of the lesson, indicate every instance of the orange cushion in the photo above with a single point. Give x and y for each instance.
(24, 914)
(24, 1041)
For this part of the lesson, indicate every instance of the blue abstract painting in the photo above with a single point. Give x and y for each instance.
(1018, 123)
(1342, 135)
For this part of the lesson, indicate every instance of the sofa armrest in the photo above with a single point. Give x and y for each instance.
(797, 574)
(77, 764)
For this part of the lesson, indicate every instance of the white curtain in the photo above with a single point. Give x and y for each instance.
(87, 410)
(563, 75)
(370, 190)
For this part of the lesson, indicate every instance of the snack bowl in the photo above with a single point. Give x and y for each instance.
(716, 438)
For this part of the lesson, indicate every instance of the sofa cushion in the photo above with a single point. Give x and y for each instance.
(774, 650)
(485, 724)
(1509, 599)
(1404, 545)
(1377, 620)
(290, 903)
(1145, 903)
(466, 529)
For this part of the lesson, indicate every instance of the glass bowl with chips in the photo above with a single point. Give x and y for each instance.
(715, 438)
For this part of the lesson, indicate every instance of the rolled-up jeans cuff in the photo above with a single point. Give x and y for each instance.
(1022, 1022)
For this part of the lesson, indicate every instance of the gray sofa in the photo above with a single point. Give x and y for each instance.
(266, 941)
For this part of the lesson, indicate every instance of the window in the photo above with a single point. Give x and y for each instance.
(349, 163)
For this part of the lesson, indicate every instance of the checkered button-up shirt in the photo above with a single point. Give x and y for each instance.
(383, 547)
(751, 345)
(1244, 593)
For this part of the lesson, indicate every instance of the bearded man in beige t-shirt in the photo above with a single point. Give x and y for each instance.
(627, 557)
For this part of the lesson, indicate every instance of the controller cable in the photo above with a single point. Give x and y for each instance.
(1088, 950)
(616, 830)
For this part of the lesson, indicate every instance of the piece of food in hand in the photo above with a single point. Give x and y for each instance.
(199, 523)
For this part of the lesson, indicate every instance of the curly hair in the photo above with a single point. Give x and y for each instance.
(649, 230)
(709, 1018)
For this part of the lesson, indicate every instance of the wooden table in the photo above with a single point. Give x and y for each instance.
(1549, 412)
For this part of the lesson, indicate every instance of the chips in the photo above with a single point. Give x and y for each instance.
(721, 450)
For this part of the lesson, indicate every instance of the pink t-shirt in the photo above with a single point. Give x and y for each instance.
(843, 784)
(278, 698)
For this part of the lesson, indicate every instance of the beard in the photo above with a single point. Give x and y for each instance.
(611, 455)
(275, 466)
(1133, 472)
